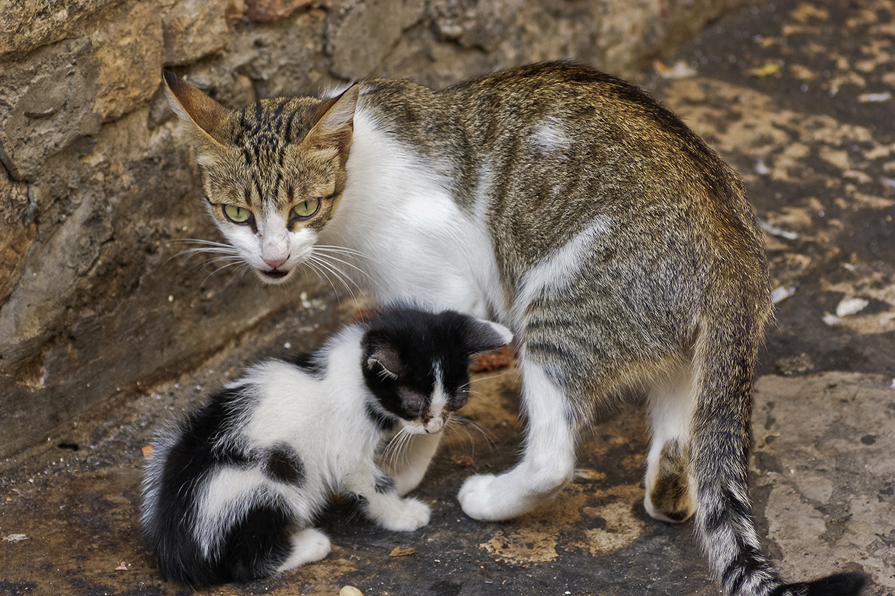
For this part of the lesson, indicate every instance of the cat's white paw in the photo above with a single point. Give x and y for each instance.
(308, 546)
(497, 498)
(408, 516)
(477, 499)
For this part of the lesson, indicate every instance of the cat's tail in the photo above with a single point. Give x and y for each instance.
(724, 359)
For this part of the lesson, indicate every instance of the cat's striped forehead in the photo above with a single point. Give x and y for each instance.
(261, 139)
(263, 131)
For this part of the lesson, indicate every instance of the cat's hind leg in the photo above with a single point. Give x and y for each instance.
(670, 491)
(308, 545)
(549, 459)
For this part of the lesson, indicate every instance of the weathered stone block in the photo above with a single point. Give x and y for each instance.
(17, 232)
(51, 98)
(194, 29)
(266, 11)
(105, 301)
(367, 32)
(64, 91)
(475, 24)
(29, 24)
(128, 51)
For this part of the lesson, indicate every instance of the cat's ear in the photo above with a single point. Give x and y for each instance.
(484, 336)
(196, 108)
(381, 357)
(335, 125)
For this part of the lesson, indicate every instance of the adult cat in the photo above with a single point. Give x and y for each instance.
(562, 202)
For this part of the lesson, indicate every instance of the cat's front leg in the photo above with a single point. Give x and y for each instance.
(408, 464)
(382, 503)
(548, 462)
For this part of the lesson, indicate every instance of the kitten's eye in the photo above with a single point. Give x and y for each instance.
(237, 214)
(306, 208)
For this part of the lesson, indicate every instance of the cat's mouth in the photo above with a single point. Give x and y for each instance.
(274, 275)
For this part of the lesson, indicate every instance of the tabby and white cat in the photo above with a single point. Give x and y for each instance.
(230, 493)
(568, 205)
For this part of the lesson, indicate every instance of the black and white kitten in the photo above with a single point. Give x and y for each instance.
(231, 492)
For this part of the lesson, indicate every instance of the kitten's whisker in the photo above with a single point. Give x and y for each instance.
(462, 423)
(507, 371)
(397, 447)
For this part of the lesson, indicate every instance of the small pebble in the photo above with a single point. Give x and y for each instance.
(350, 591)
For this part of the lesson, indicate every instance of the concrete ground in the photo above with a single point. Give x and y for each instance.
(799, 97)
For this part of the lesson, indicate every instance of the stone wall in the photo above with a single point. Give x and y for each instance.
(98, 190)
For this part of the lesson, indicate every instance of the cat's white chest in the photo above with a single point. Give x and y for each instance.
(417, 244)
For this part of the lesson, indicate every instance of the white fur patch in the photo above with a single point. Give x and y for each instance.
(550, 136)
(557, 271)
(444, 257)
(225, 500)
(549, 455)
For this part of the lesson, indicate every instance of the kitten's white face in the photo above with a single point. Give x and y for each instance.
(435, 411)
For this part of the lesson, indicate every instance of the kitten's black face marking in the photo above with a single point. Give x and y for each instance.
(282, 464)
(382, 421)
(410, 355)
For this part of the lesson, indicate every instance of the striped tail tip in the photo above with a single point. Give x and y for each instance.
(841, 584)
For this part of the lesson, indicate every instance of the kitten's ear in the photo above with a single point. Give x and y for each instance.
(335, 124)
(484, 336)
(196, 108)
(381, 356)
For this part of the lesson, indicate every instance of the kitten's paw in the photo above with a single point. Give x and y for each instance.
(410, 515)
(308, 546)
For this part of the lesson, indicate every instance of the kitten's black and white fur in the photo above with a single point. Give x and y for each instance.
(231, 492)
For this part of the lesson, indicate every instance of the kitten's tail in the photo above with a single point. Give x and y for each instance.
(724, 359)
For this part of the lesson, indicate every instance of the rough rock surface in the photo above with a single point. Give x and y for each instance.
(99, 193)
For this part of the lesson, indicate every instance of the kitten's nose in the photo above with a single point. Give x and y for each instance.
(434, 425)
(274, 263)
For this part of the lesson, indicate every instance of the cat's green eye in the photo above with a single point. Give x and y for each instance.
(306, 208)
(237, 214)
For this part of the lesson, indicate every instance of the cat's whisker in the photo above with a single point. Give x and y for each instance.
(372, 281)
(339, 275)
(331, 258)
(219, 269)
(340, 249)
(328, 261)
(321, 274)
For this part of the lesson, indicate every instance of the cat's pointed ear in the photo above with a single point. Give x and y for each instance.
(484, 336)
(194, 107)
(381, 357)
(335, 125)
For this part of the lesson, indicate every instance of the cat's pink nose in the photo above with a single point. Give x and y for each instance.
(274, 263)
